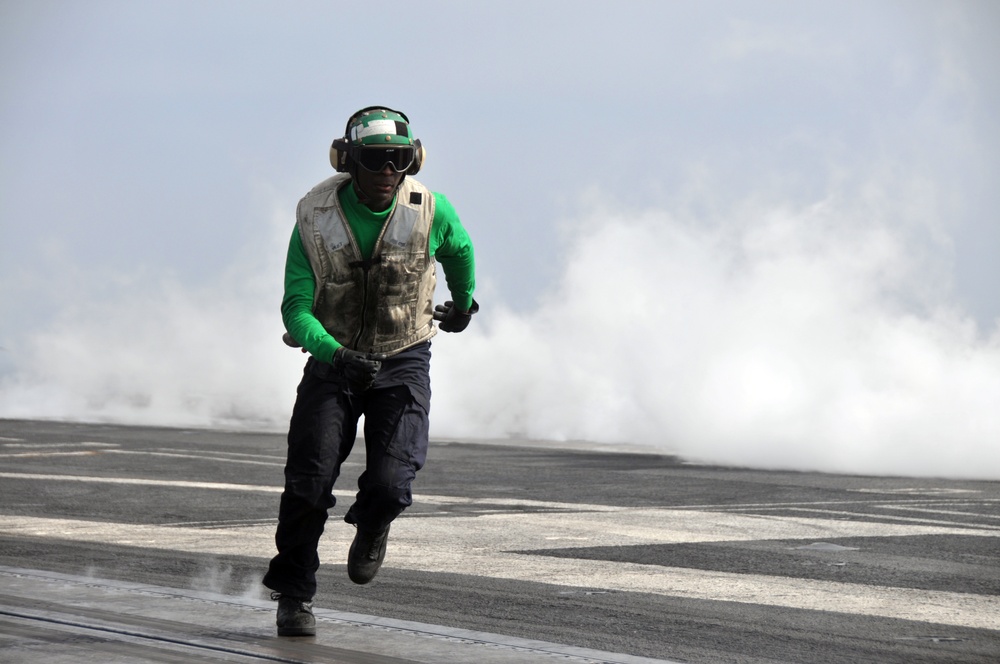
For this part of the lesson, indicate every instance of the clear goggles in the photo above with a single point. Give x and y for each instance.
(399, 157)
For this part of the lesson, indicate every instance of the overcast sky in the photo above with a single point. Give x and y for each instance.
(750, 231)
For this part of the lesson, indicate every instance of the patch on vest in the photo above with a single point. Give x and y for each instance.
(404, 219)
(416, 198)
(331, 229)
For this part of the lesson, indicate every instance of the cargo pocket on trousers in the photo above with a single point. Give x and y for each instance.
(410, 436)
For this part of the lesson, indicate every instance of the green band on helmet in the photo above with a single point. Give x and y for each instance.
(380, 127)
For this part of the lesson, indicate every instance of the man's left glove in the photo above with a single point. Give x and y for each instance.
(360, 369)
(451, 319)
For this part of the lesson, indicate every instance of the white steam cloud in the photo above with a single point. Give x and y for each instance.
(778, 337)
(806, 337)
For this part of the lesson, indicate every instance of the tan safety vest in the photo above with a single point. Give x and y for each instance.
(383, 304)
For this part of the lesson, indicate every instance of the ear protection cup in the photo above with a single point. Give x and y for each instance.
(338, 155)
(419, 154)
(341, 147)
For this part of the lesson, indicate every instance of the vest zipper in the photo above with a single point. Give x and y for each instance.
(366, 265)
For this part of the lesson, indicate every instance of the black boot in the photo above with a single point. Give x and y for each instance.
(366, 555)
(295, 616)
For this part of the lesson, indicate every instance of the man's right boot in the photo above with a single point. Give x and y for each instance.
(295, 616)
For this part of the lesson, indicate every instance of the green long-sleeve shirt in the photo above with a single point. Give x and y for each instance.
(450, 245)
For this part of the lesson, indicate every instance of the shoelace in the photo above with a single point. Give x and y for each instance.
(376, 545)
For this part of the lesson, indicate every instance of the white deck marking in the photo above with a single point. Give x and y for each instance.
(180, 484)
(486, 546)
(929, 510)
(876, 515)
(36, 446)
(280, 463)
(340, 493)
(234, 455)
(25, 455)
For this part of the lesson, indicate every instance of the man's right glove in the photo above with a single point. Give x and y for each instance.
(359, 369)
(450, 319)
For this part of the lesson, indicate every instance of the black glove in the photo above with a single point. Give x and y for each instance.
(450, 319)
(359, 369)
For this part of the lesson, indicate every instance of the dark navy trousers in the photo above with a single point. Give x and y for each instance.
(321, 435)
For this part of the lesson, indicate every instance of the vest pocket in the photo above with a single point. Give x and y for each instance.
(399, 291)
(339, 310)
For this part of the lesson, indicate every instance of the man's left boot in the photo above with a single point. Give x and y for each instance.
(366, 555)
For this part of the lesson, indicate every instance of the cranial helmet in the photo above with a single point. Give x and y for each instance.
(376, 136)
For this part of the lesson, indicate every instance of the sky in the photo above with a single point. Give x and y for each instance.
(759, 233)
